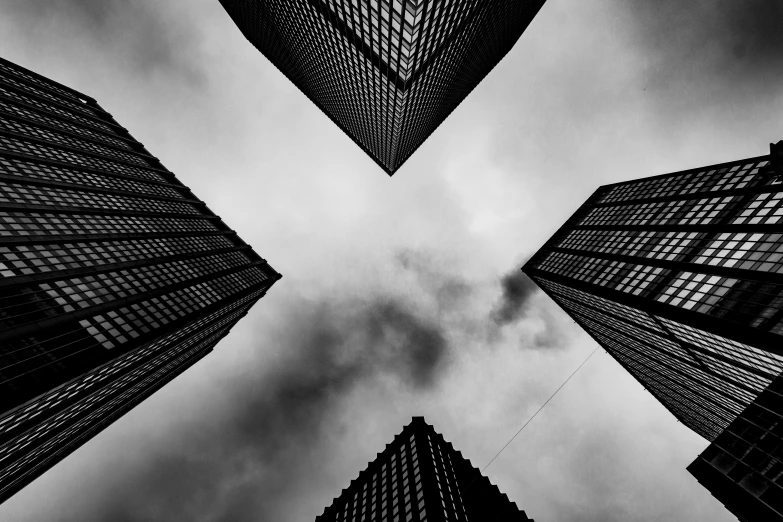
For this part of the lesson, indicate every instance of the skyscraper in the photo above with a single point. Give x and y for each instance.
(680, 278)
(421, 477)
(743, 467)
(386, 72)
(114, 277)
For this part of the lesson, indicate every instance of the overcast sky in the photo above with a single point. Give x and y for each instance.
(401, 296)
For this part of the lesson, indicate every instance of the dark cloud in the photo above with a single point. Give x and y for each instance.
(546, 330)
(517, 289)
(244, 456)
(720, 43)
(134, 29)
(230, 466)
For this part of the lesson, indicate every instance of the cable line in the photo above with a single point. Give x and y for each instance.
(534, 415)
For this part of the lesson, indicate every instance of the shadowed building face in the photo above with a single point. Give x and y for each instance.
(420, 477)
(114, 277)
(387, 73)
(743, 467)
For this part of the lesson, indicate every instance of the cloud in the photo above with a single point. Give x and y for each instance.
(251, 447)
(134, 30)
(521, 303)
(728, 43)
(517, 289)
(273, 422)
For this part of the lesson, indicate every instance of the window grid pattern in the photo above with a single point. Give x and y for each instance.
(745, 174)
(704, 417)
(747, 251)
(47, 135)
(77, 106)
(694, 415)
(388, 72)
(704, 241)
(663, 343)
(707, 418)
(21, 442)
(119, 285)
(391, 494)
(205, 336)
(116, 327)
(679, 212)
(355, 92)
(38, 117)
(658, 346)
(68, 295)
(765, 209)
(35, 102)
(7, 70)
(669, 246)
(392, 30)
(418, 478)
(65, 441)
(35, 195)
(73, 158)
(637, 316)
(19, 260)
(105, 374)
(450, 75)
(747, 456)
(657, 368)
(27, 169)
(731, 395)
(602, 271)
(764, 366)
(762, 360)
(735, 373)
(36, 223)
(747, 302)
(446, 481)
(742, 301)
(159, 311)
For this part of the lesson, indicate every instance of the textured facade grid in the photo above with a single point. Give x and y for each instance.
(743, 467)
(679, 278)
(114, 277)
(420, 477)
(387, 73)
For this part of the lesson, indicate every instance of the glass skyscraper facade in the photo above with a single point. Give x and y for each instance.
(421, 477)
(743, 467)
(114, 277)
(680, 278)
(386, 72)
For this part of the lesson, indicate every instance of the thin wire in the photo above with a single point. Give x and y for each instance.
(534, 416)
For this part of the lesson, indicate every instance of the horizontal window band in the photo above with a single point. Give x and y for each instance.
(134, 151)
(38, 182)
(93, 211)
(173, 182)
(63, 104)
(33, 78)
(10, 282)
(678, 266)
(44, 239)
(88, 312)
(83, 152)
(730, 330)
